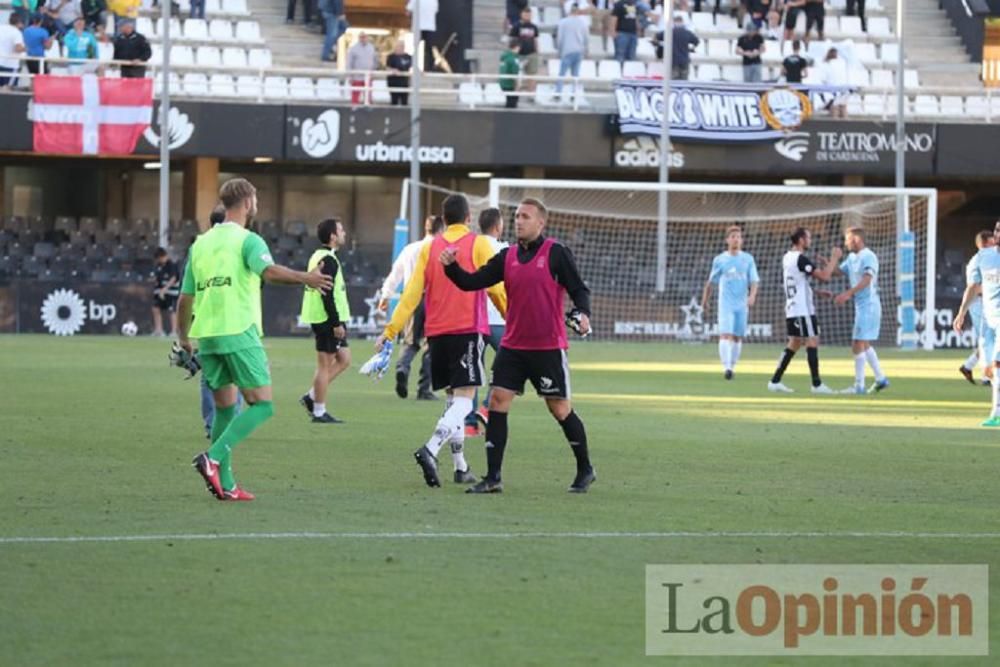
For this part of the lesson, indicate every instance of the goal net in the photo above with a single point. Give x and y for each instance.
(647, 279)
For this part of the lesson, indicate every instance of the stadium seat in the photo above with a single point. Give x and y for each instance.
(209, 56)
(175, 83)
(707, 72)
(155, 55)
(546, 45)
(235, 7)
(719, 49)
(976, 106)
(106, 51)
(145, 27)
(181, 55)
(259, 58)
(248, 86)
(596, 48)
(850, 26)
(866, 53)
(248, 32)
(890, 53)
(732, 73)
(609, 70)
(551, 16)
(633, 69)
(553, 67)
(654, 70)
(858, 76)
(644, 50)
(329, 89)
(545, 95)
(301, 88)
(175, 27)
(588, 69)
(221, 85)
(221, 30)
(65, 224)
(879, 26)
(275, 87)
(727, 24)
(702, 23)
(470, 94)
(212, 7)
(195, 84)
(883, 78)
(911, 79)
(952, 105)
(380, 91)
(196, 30)
(493, 95)
(44, 251)
(234, 57)
(926, 105)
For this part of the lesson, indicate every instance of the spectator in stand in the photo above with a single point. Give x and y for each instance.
(751, 46)
(124, 9)
(815, 16)
(527, 34)
(399, 63)
(36, 40)
(11, 47)
(603, 21)
(795, 67)
(64, 13)
(835, 74)
(774, 12)
(306, 10)
(428, 29)
(133, 47)
(793, 9)
(105, 46)
(94, 12)
(857, 7)
(572, 36)
(335, 24)
(510, 67)
(362, 60)
(626, 29)
(514, 9)
(684, 42)
(80, 44)
(197, 9)
(25, 9)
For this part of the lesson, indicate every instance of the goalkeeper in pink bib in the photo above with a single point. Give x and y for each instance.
(536, 273)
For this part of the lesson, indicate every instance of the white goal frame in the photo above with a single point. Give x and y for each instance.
(496, 184)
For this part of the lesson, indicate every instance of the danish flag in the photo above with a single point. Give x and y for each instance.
(87, 115)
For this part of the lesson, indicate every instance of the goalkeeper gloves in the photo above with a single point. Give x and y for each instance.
(574, 320)
(183, 359)
(377, 366)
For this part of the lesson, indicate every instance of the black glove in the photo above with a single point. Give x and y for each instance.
(183, 359)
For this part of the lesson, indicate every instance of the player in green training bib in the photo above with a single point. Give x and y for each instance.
(328, 315)
(221, 294)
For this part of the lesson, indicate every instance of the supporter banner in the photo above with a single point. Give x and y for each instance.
(717, 111)
(70, 308)
(818, 147)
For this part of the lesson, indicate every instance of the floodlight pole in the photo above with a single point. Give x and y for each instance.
(416, 224)
(664, 197)
(900, 123)
(165, 130)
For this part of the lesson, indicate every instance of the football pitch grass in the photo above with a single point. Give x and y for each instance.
(346, 557)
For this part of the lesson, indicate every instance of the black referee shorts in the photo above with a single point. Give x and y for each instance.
(326, 340)
(457, 361)
(548, 371)
(167, 303)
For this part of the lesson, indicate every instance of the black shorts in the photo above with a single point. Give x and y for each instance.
(457, 361)
(791, 17)
(326, 341)
(815, 16)
(168, 303)
(803, 327)
(548, 371)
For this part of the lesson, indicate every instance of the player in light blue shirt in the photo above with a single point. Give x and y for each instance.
(984, 278)
(861, 268)
(734, 272)
(984, 239)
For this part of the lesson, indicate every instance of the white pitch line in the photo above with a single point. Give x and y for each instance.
(180, 537)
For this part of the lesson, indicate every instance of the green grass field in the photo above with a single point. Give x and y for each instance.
(97, 434)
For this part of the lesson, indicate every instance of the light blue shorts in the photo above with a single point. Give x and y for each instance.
(989, 344)
(733, 323)
(867, 322)
(978, 324)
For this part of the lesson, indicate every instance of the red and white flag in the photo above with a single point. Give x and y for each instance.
(87, 115)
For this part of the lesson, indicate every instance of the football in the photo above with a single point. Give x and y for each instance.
(130, 328)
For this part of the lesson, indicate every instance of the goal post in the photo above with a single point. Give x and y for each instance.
(612, 228)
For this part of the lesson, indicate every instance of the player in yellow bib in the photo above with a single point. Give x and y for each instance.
(328, 315)
(221, 294)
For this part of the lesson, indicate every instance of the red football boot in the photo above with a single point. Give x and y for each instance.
(209, 471)
(238, 494)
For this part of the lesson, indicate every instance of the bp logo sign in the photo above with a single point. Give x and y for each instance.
(64, 312)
